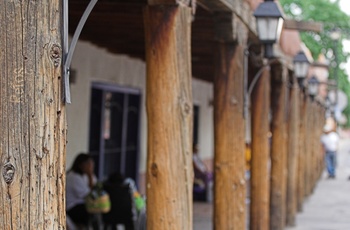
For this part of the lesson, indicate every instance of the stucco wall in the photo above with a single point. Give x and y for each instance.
(95, 64)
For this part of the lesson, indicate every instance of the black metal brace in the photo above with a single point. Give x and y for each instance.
(69, 50)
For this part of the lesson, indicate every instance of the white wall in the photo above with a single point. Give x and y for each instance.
(93, 64)
(203, 97)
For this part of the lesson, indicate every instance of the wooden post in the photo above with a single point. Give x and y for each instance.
(314, 145)
(293, 152)
(260, 176)
(229, 126)
(302, 153)
(33, 118)
(308, 147)
(320, 132)
(279, 98)
(169, 110)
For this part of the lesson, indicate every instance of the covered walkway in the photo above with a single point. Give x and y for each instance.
(328, 208)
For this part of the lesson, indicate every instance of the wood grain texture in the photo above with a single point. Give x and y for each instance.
(303, 25)
(293, 153)
(32, 121)
(279, 105)
(169, 117)
(308, 148)
(260, 172)
(302, 163)
(229, 137)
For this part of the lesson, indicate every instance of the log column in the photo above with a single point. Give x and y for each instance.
(230, 187)
(169, 117)
(279, 98)
(293, 152)
(260, 173)
(308, 147)
(229, 124)
(302, 163)
(33, 118)
(313, 145)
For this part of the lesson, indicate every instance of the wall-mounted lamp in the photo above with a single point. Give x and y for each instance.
(301, 66)
(313, 87)
(269, 18)
(327, 102)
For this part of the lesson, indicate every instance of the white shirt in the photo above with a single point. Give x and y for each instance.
(77, 189)
(330, 141)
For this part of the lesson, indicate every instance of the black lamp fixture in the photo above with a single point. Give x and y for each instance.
(269, 18)
(301, 66)
(313, 87)
(327, 102)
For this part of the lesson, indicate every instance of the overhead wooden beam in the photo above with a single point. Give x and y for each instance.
(190, 3)
(229, 27)
(303, 25)
(240, 8)
(219, 5)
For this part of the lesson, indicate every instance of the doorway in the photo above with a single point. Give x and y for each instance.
(115, 130)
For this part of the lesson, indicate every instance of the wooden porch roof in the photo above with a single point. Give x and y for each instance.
(118, 26)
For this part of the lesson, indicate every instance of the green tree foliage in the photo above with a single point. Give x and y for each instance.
(329, 13)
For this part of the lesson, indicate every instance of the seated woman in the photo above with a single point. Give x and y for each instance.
(80, 180)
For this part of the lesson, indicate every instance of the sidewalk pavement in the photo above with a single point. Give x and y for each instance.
(202, 216)
(328, 208)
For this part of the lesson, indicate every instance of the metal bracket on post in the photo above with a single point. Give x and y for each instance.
(249, 91)
(69, 50)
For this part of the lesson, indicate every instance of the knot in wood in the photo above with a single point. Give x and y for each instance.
(186, 108)
(8, 173)
(154, 170)
(234, 101)
(55, 54)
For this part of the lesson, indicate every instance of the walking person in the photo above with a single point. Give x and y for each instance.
(330, 140)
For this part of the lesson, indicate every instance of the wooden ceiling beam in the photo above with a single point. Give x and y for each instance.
(218, 5)
(118, 27)
(303, 25)
(170, 2)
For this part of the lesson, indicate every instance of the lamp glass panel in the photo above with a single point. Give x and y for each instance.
(327, 102)
(279, 28)
(301, 69)
(313, 89)
(269, 28)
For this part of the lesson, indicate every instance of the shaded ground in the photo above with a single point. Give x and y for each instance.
(202, 216)
(328, 208)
